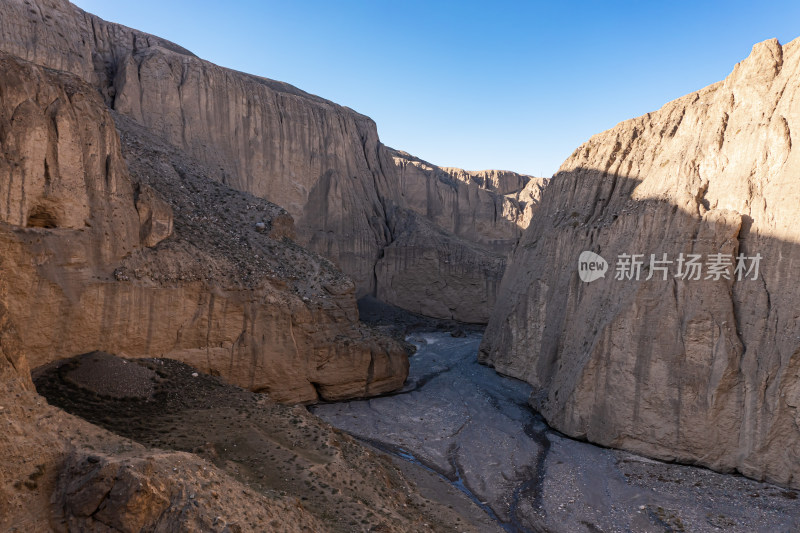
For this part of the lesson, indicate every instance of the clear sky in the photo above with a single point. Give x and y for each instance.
(508, 85)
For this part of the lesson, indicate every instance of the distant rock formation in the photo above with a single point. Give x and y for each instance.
(320, 161)
(702, 371)
(148, 257)
(451, 233)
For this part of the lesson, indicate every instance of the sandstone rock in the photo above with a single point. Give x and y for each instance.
(322, 162)
(429, 271)
(219, 295)
(155, 216)
(528, 200)
(60, 473)
(479, 207)
(78, 275)
(451, 232)
(287, 315)
(122, 499)
(699, 371)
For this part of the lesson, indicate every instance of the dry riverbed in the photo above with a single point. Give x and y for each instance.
(474, 428)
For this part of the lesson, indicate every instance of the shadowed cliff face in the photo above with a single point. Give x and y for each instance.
(429, 271)
(488, 208)
(451, 234)
(700, 371)
(322, 162)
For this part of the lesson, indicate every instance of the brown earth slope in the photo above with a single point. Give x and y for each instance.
(60, 473)
(210, 457)
(273, 450)
(701, 371)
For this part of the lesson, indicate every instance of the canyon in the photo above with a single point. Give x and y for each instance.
(123, 233)
(185, 249)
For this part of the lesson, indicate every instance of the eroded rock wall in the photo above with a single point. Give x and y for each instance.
(452, 231)
(97, 259)
(700, 371)
(429, 271)
(322, 162)
(485, 207)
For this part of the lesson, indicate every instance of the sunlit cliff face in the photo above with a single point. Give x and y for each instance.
(695, 370)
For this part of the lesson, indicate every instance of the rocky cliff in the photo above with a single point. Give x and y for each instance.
(320, 161)
(697, 367)
(155, 259)
(114, 240)
(487, 207)
(452, 231)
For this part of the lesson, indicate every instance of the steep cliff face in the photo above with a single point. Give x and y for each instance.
(322, 162)
(694, 370)
(485, 207)
(112, 240)
(160, 260)
(429, 271)
(452, 231)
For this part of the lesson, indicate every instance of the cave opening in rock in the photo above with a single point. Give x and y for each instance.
(42, 217)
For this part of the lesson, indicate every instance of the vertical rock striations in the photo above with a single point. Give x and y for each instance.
(451, 233)
(320, 161)
(701, 371)
(159, 260)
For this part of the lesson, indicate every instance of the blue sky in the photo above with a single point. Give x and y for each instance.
(508, 85)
